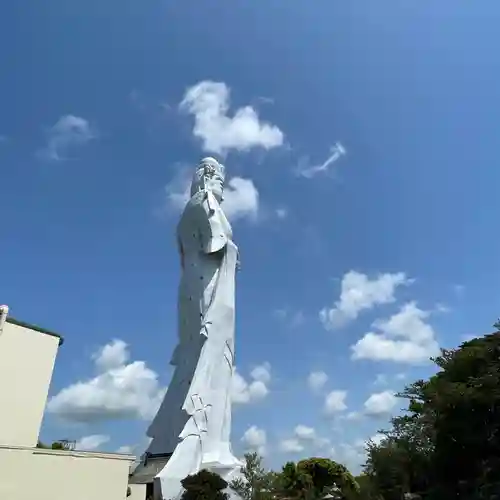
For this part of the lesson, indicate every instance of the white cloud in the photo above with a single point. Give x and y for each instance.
(335, 402)
(136, 449)
(405, 338)
(359, 293)
(244, 392)
(380, 404)
(178, 189)
(241, 197)
(308, 437)
(309, 171)
(120, 390)
(91, 443)
(69, 131)
(305, 433)
(291, 445)
(317, 380)
(209, 103)
(442, 308)
(255, 439)
(322, 443)
(305, 437)
(353, 456)
(354, 415)
(111, 356)
(262, 373)
(377, 438)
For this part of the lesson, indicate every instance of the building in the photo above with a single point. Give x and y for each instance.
(27, 357)
(143, 476)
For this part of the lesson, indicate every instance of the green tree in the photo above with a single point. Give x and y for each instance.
(204, 485)
(446, 446)
(257, 483)
(313, 478)
(388, 467)
(465, 398)
(295, 483)
(401, 463)
(56, 445)
(367, 489)
(329, 477)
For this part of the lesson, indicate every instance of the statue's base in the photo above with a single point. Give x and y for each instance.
(167, 486)
(147, 470)
(150, 467)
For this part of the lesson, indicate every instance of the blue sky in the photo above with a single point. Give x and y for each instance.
(395, 239)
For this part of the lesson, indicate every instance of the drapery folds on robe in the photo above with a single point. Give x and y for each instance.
(194, 420)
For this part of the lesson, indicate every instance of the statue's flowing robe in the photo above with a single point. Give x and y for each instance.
(194, 420)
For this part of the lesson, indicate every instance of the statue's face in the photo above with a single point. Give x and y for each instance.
(215, 182)
(213, 174)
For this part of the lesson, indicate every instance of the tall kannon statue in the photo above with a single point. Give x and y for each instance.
(194, 419)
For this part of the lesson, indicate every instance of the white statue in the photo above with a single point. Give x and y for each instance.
(194, 420)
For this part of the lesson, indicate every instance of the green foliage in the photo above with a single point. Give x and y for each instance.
(257, 483)
(56, 445)
(204, 485)
(401, 462)
(313, 478)
(465, 399)
(367, 490)
(295, 483)
(328, 475)
(446, 446)
(389, 468)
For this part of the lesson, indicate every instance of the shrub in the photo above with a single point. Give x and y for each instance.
(204, 485)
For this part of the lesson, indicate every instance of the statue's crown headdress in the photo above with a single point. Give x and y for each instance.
(207, 168)
(210, 166)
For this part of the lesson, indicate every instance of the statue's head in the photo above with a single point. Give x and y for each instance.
(210, 175)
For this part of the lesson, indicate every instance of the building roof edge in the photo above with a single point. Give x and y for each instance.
(36, 328)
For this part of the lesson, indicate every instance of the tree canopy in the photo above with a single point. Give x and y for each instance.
(308, 479)
(257, 483)
(204, 485)
(446, 446)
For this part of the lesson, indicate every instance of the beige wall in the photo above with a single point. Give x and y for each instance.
(137, 492)
(26, 362)
(63, 475)
(26, 473)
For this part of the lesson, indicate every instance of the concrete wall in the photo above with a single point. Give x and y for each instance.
(26, 363)
(63, 475)
(137, 492)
